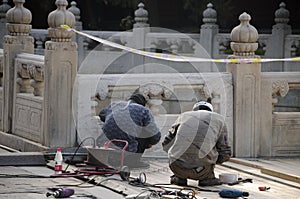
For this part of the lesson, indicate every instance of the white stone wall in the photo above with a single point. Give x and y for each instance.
(186, 88)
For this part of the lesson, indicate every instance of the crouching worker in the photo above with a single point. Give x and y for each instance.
(195, 143)
(133, 122)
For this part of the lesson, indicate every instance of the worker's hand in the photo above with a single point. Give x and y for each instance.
(149, 146)
(97, 96)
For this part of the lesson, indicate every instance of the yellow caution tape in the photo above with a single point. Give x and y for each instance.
(175, 58)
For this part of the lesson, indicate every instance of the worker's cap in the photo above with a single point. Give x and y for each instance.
(202, 105)
(138, 98)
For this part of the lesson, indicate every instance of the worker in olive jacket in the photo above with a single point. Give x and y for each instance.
(196, 142)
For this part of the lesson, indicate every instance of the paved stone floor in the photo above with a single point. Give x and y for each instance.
(31, 182)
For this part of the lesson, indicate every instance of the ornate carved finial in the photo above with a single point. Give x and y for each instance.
(141, 17)
(209, 14)
(282, 14)
(244, 37)
(75, 10)
(61, 16)
(18, 19)
(3, 9)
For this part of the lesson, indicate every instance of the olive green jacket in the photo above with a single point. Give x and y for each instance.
(198, 138)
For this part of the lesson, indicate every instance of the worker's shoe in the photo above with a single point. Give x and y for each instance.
(178, 181)
(209, 182)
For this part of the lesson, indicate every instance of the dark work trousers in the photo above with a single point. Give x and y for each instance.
(143, 144)
(206, 172)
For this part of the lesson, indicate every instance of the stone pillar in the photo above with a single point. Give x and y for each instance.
(209, 30)
(60, 73)
(246, 87)
(276, 44)
(18, 25)
(3, 9)
(140, 30)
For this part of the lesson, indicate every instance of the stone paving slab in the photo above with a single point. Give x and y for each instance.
(159, 174)
(22, 159)
(32, 183)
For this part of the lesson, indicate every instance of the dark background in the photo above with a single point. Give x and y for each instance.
(180, 15)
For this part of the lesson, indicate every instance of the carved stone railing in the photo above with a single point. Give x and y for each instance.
(40, 37)
(292, 49)
(30, 74)
(218, 43)
(280, 130)
(28, 98)
(114, 36)
(292, 45)
(167, 94)
(172, 42)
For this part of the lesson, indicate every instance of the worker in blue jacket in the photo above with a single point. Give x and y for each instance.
(131, 121)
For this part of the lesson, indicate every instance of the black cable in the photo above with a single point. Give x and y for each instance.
(86, 195)
(78, 149)
(147, 190)
(187, 186)
(104, 186)
(22, 176)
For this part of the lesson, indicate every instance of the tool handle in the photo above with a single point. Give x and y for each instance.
(107, 143)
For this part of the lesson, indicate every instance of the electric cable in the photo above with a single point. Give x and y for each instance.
(79, 184)
(148, 190)
(187, 186)
(22, 176)
(78, 149)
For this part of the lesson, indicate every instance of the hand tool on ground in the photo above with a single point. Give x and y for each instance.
(263, 188)
(232, 193)
(60, 192)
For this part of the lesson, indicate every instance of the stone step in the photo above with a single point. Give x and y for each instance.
(22, 159)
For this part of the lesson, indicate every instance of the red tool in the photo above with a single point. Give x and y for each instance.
(264, 188)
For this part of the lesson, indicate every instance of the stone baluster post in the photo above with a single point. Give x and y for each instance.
(78, 26)
(276, 44)
(246, 87)
(18, 25)
(209, 30)
(140, 30)
(60, 73)
(3, 9)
